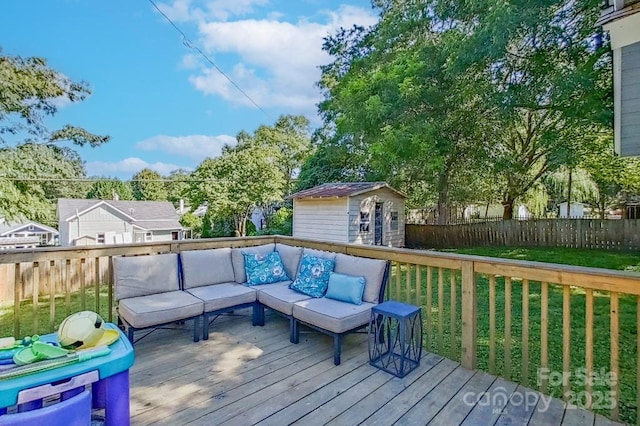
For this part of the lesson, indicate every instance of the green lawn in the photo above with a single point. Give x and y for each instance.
(44, 321)
(601, 259)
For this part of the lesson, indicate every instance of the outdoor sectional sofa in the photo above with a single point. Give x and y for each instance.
(156, 290)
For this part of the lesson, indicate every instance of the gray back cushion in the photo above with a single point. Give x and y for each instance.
(290, 258)
(319, 253)
(143, 275)
(237, 259)
(206, 267)
(371, 269)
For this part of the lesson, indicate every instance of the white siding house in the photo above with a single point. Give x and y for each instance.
(361, 213)
(89, 222)
(26, 234)
(622, 20)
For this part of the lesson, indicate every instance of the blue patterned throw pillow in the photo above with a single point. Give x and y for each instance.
(313, 275)
(264, 268)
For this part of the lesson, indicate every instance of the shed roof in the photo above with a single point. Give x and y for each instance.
(342, 189)
(147, 214)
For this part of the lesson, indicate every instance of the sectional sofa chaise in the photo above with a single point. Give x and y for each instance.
(329, 292)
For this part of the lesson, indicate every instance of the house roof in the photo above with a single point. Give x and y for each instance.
(18, 226)
(342, 189)
(159, 215)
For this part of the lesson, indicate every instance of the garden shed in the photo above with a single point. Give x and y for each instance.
(355, 212)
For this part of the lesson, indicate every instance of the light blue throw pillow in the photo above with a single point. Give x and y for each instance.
(264, 268)
(313, 275)
(346, 288)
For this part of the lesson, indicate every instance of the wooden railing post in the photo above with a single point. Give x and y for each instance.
(469, 316)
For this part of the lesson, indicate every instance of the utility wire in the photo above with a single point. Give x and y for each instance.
(188, 43)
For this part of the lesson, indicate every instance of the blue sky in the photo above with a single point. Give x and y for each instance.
(162, 104)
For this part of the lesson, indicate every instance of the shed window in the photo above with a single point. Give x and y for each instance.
(148, 236)
(364, 221)
(394, 221)
(100, 238)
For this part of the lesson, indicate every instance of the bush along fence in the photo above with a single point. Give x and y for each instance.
(623, 234)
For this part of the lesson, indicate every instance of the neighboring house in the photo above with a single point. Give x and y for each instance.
(484, 211)
(576, 210)
(89, 222)
(622, 19)
(26, 234)
(361, 213)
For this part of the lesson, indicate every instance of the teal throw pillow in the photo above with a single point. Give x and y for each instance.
(313, 275)
(264, 268)
(346, 288)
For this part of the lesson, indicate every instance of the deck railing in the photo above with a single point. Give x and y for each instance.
(566, 331)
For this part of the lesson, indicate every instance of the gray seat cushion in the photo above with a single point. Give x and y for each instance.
(280, 297)
(143, 275)
(206, 267)
(332, 315)
(371, 269)
(237, 259)
(154, 309)
(222, 296)
(290, 256)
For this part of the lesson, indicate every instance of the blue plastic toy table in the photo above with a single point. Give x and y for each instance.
(108, 376)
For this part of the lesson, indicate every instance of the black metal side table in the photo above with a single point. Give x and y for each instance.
(395, 337)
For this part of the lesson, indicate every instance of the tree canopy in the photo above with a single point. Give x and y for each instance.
(235, 183)
(34, 177)
(148, 185)
(32, 91)
(444, 99)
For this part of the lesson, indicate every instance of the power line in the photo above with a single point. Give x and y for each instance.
(188, 43)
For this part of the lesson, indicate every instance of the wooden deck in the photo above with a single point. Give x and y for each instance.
(253, 375)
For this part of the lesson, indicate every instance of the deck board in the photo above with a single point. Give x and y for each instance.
(248, 375)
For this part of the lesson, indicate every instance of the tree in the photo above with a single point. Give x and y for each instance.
(34, 176)
(393, 89)
(110, 189)
(287, 143)
(37, 171)
(235, 183)
(32, 91)
(193, 222)
(334, 160)
(148, 185)
(177, 186)
(548, 66)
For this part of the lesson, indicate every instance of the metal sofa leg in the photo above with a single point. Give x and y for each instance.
(337, 347)
(205, 326)
(294, 329)
(130, 331)
(258, 314)
(196, 328)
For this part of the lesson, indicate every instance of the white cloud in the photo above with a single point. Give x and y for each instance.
(185, 10)
(180, 11)
(223, 9)
(128, 167)
(195, 147)
(191, 61)
(277, 61)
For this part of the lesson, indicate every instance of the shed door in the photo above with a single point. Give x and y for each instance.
(378, 225)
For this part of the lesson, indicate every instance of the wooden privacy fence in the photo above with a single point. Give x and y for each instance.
(623, 234)
(545, 326)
